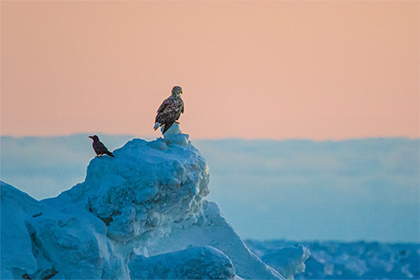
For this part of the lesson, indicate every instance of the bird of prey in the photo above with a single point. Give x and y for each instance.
(99, 147)
(170, 110)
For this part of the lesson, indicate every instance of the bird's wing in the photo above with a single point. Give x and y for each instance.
(101, 147)
(165, 103)
(166, 112)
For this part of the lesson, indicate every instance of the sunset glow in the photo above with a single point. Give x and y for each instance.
(306, 69)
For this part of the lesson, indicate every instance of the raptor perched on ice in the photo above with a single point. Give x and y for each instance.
(170, 110)
(99, 147)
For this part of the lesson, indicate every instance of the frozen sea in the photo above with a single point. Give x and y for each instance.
(351, 260)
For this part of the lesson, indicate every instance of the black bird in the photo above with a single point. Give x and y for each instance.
(99, 147)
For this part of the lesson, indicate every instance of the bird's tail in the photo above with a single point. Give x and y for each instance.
(166, 127)
(110, 154)
(156, 125)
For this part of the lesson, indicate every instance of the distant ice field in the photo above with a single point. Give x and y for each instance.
(351, 260)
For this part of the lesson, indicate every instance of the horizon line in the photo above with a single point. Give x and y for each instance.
(149, 137)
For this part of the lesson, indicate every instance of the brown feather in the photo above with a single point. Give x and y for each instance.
(169, 111)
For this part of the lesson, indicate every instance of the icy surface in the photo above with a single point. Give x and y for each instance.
(140, 214)
(348, 260)
(191, 263)
(288, 260)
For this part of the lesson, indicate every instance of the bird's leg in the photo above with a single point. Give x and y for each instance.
(177, 122)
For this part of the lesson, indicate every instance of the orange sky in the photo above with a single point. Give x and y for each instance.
(307, 69)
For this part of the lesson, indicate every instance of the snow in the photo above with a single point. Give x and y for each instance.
(141, 214)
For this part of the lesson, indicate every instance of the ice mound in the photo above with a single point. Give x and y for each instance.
(38, 241)
(16, 246)
(191, 263)
(288, 260)
(145, 188)
(133, 213)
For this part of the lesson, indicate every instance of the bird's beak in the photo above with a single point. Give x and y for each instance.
(90, 137)
(181, 91)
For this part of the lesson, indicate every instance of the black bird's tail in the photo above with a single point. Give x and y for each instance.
(110, 154)
(167, 126)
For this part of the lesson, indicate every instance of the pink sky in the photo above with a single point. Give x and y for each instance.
(307, 69)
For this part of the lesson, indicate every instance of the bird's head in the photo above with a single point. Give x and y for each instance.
(94, 137)
(176, 91)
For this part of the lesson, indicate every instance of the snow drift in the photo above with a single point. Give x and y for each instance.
(138, 215)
